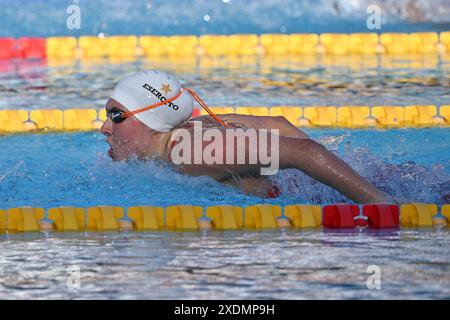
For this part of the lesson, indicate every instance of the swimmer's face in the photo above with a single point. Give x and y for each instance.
(129, 138)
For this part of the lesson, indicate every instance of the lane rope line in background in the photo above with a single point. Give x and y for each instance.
(220, 45)
(352, 117)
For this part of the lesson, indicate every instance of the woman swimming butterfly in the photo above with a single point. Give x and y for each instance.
(149, 115)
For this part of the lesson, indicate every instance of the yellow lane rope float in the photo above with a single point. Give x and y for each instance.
(353, 117)
(224, 217)
(129, 46)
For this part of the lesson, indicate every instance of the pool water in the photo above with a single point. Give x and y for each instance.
(168, 17)
(413, 264)
(72, 169)
(248, 81)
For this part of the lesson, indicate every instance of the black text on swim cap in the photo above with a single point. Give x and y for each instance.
(159, 96)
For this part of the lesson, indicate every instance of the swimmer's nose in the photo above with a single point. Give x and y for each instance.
(106, 128)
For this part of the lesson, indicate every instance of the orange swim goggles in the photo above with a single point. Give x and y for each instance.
(118, 116)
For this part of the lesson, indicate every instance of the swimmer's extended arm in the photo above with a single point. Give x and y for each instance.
(316, 161)
(306, 155)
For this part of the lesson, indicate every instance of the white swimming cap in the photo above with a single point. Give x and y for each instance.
(142, 89)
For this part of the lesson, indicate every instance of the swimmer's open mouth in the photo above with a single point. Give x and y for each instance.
(111, 149)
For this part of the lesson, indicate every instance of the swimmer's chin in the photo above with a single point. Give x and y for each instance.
(116, 157)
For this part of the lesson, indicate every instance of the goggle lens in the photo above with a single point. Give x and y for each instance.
(116, 115)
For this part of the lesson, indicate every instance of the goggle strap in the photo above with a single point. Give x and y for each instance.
(130, 113)
(194, 95)
(204, 106)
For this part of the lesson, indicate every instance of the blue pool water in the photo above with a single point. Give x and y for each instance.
(267, 81)
(168, 17)
(73, 169)
(54, 169)
(413, 264)
(62, 169)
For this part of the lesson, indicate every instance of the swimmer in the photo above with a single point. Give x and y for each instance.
(147, 111)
